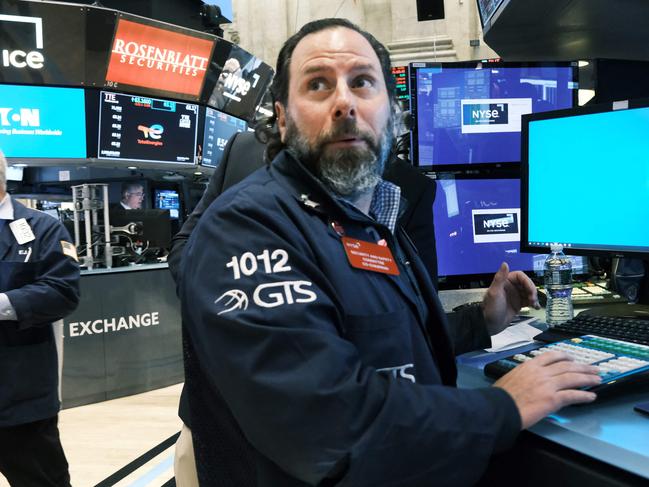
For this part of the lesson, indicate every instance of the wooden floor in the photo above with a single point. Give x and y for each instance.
(99, 439)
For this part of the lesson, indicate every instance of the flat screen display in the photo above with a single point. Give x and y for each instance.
(470, 113)
(139, 128)
(42, 122)
(168, 199)
(42, 43)
(155, 58)
(219, 127)
(241, 83)
(477, 228)
(570, 153)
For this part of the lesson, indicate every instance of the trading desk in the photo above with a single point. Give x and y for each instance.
(125, 336)
(600, 444)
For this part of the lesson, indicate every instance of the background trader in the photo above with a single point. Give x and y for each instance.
(39, 284)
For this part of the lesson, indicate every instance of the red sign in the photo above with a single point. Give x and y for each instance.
(150, 57)
(370, 256)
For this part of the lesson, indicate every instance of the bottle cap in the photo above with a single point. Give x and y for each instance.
(556, 248)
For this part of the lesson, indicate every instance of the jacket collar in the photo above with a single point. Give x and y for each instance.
(20, 210)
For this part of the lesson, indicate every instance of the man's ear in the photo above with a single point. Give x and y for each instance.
(281, 121)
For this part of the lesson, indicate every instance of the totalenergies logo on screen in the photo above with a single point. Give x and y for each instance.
(150, 57)
(152, 135)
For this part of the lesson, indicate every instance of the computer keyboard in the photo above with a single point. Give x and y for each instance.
(628, 329)
(618, 361)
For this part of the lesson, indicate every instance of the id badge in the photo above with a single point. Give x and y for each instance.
(370, 256)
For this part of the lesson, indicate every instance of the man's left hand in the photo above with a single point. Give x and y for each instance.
(507, 294)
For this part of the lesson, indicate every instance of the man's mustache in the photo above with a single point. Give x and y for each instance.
(346, 128)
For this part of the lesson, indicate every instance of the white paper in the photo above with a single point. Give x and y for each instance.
(514, 336)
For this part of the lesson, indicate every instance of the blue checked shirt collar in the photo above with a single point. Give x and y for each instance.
(384, 207)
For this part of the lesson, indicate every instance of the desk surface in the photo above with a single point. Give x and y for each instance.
(127, 268)
(608, 430)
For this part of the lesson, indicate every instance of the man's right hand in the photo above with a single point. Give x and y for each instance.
(547, 383)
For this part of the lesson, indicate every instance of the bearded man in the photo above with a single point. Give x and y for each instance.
(318, 351)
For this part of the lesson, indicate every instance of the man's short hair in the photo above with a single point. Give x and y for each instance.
(3, 172)
(131, 187)
(268, 132)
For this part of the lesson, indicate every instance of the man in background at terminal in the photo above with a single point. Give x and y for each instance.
(311, 364)
(132, 196)
(39, 284)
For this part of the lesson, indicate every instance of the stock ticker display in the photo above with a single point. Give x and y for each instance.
(219, 127)
(138, 128)
(400, 74)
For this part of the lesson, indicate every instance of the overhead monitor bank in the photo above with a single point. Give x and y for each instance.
(87, 46)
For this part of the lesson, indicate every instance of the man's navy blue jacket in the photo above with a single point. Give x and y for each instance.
(311, 372)
(42, 284)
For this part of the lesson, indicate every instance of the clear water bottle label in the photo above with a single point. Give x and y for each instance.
(561, 277)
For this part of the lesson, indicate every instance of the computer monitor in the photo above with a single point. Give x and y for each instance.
(168, 199)
(42, 122)
(145, 129)
(477, 227)
(585, 180)
(219, 128)
(470, 112)
(154, 225)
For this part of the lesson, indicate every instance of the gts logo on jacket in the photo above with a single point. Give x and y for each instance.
(269, 295)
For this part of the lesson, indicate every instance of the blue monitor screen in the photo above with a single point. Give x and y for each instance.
(472, 114)
(477, 227)
(219, 127)
(167, 199)
(42, 122)
(568, 158)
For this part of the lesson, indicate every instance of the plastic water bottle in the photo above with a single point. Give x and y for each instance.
(558, 286)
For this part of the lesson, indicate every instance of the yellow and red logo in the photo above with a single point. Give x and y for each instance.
(156, 58)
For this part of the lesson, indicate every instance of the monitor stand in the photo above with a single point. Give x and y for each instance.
(637, 311)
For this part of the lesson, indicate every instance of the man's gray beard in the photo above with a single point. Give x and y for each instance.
(351, 172)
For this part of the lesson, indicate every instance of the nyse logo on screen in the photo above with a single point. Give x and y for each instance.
(486, 114)
(496, 225)
(22, 57)
(24, 117)
(235, 87)
(493, 115)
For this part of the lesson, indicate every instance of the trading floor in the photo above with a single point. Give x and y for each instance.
(100, 439)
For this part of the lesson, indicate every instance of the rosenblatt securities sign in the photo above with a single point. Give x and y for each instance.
(150, 57)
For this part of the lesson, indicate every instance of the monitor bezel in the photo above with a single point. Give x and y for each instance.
(414, 67)
(565, 113)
